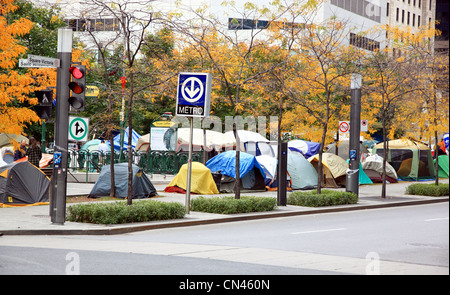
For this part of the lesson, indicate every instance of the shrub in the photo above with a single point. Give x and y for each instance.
(428, 189)
(230, 205)
(326, 198)
(120, 212)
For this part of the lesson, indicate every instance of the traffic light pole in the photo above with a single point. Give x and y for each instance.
(59, 179)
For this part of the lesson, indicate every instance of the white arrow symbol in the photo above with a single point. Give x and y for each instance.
(193, 91)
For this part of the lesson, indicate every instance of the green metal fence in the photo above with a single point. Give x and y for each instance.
(152, 162)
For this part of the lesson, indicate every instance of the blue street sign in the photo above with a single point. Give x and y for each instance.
(194, 94)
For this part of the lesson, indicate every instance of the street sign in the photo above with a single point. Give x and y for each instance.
(344, 126)
(193, 95)
(364, 126)
(36, 61)
(92, 91)
(78, 128)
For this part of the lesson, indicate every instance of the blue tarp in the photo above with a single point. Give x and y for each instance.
(134, 140)
(226, 164)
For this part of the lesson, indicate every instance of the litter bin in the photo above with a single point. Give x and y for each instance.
(217, 176)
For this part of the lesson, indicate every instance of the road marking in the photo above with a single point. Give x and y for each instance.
(317, 231)
(437, 219)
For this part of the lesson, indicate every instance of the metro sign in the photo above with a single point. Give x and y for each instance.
(194, 94)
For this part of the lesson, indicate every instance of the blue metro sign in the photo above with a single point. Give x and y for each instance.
(194, 94)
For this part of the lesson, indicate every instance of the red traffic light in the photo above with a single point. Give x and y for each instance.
(75, 87)
(77, 72)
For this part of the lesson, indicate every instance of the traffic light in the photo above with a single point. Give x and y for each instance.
(77, 87)
(45, 98)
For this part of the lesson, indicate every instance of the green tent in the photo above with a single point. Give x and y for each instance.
(411, 160)
(443, 166)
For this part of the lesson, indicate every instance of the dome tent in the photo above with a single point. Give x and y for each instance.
(23, 184)
(302, 172)
(202, 181)
(142, 186)
(334, 169)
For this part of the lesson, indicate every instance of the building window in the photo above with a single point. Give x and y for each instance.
(91, 25)
(398, 13)
(365, 8)
(364, 43)
(414, 19)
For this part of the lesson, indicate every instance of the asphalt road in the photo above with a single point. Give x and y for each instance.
(412, 238)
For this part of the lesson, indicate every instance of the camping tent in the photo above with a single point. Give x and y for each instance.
(92, 145)
(373, 167)
(8, 139)
(362, 175)
(143, 143)
(307, 148)
(245, 136)
(202, 181)
(334, 169)
(411, 160)
(251, 173)
(443, 166)
(302, 172)
(22, 184)
(142, 186)
(343, 149)
(134, 139)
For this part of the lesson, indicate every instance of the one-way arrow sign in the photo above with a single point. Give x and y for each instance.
(78, 128)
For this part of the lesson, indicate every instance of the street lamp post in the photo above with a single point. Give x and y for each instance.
(355, 127)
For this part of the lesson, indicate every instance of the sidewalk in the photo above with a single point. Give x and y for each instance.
(35, 220)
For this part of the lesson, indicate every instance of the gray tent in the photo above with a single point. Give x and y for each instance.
(142, 186)
(23, 184)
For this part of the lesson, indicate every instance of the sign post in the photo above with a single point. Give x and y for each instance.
(193, 100)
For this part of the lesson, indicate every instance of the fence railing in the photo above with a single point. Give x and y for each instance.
(152, 162)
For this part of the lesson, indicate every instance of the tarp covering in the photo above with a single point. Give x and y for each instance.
(362, 176)
(134, 139)
(411, 160)
(443, 166)
(202, 181)
(307, 148)
(226, 163)
(302, 172)
(252, 175)
(142, 186)
(22, 184)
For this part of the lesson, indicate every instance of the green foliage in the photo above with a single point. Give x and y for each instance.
(120, 212)
(425, 189)
(326, 198)
(230, 205)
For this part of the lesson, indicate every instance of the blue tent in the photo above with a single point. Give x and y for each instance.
(307, 148)
(251, 173)
(226, 164)
(134, 140)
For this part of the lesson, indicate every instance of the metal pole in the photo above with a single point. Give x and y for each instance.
(282, 174)
(188, 183)
(355, 127)
(59, 179)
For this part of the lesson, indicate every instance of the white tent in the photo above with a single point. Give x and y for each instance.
(214, 140)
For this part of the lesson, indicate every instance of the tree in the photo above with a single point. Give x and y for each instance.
(390, 80)
(15, 87)
(133, 18)
(320, 79)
